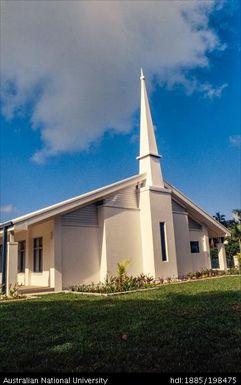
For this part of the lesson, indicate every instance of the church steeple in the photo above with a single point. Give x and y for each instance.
(149, 159)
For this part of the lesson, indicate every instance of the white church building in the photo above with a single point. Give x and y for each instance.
(142, 218)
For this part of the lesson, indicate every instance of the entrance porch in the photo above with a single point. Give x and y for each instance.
(30, 257)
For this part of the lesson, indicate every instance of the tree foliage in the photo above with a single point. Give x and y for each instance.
(220, 218)
(237, 215)
(233, 247)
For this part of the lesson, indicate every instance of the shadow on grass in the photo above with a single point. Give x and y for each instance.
(172, 330)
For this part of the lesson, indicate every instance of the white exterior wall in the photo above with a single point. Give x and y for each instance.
(29, 277)
(162, 212)
(155, 206)
(206, 248)
(182, 239)
(44, 230)
(122, 239)
(83, 245)
(93, 242)
(147, 233)
(56, 265)
(80, 255)
(200, 260)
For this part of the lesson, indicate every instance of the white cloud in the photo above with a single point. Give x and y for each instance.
(235, 140)
(212, 92)
(7, 209)
(192, 85)
(74, 64)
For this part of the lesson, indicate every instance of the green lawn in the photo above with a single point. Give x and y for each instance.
(194, 326)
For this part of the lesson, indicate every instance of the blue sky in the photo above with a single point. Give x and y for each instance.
(72, 125)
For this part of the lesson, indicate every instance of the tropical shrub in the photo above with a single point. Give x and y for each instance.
(204, 273)
(234, 271)
(119, 282)
(13, 293)
(113, 284)
(124, 282)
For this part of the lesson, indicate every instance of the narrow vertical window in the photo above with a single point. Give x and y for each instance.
(21, 256)
(163, 241)
(1, 257)
(37, 254)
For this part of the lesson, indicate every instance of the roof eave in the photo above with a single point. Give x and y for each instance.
(199, 210)
(70, 204)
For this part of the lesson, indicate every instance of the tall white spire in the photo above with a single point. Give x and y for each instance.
(149, 159)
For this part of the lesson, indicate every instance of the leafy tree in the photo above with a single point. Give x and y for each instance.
(220, 218)
(237, 215)
(236, 234)
(230, 223)
(233, 246)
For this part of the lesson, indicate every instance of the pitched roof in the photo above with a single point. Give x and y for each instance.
(198, 214)
(80, 200)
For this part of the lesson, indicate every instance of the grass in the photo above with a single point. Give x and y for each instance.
(188, 327)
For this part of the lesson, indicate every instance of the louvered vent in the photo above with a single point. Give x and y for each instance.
(176, 207)
(193, 225)
(124, 198)
(85, 216)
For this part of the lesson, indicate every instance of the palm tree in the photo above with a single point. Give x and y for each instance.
(220, 218)
(122, 269)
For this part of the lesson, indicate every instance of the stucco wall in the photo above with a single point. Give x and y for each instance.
(80, 255)
(200, 260)
(122, 239)
(182, 238)
(44, 230)
(187, 261)
(161, 211)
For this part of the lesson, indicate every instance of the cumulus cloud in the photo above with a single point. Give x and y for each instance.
(192, 85)
(72, 66)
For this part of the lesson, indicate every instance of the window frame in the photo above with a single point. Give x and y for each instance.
(38, 255)
(163, 240)
(21, 256)
(197, 250)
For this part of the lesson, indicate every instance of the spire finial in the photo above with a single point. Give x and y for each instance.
(142, 77)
